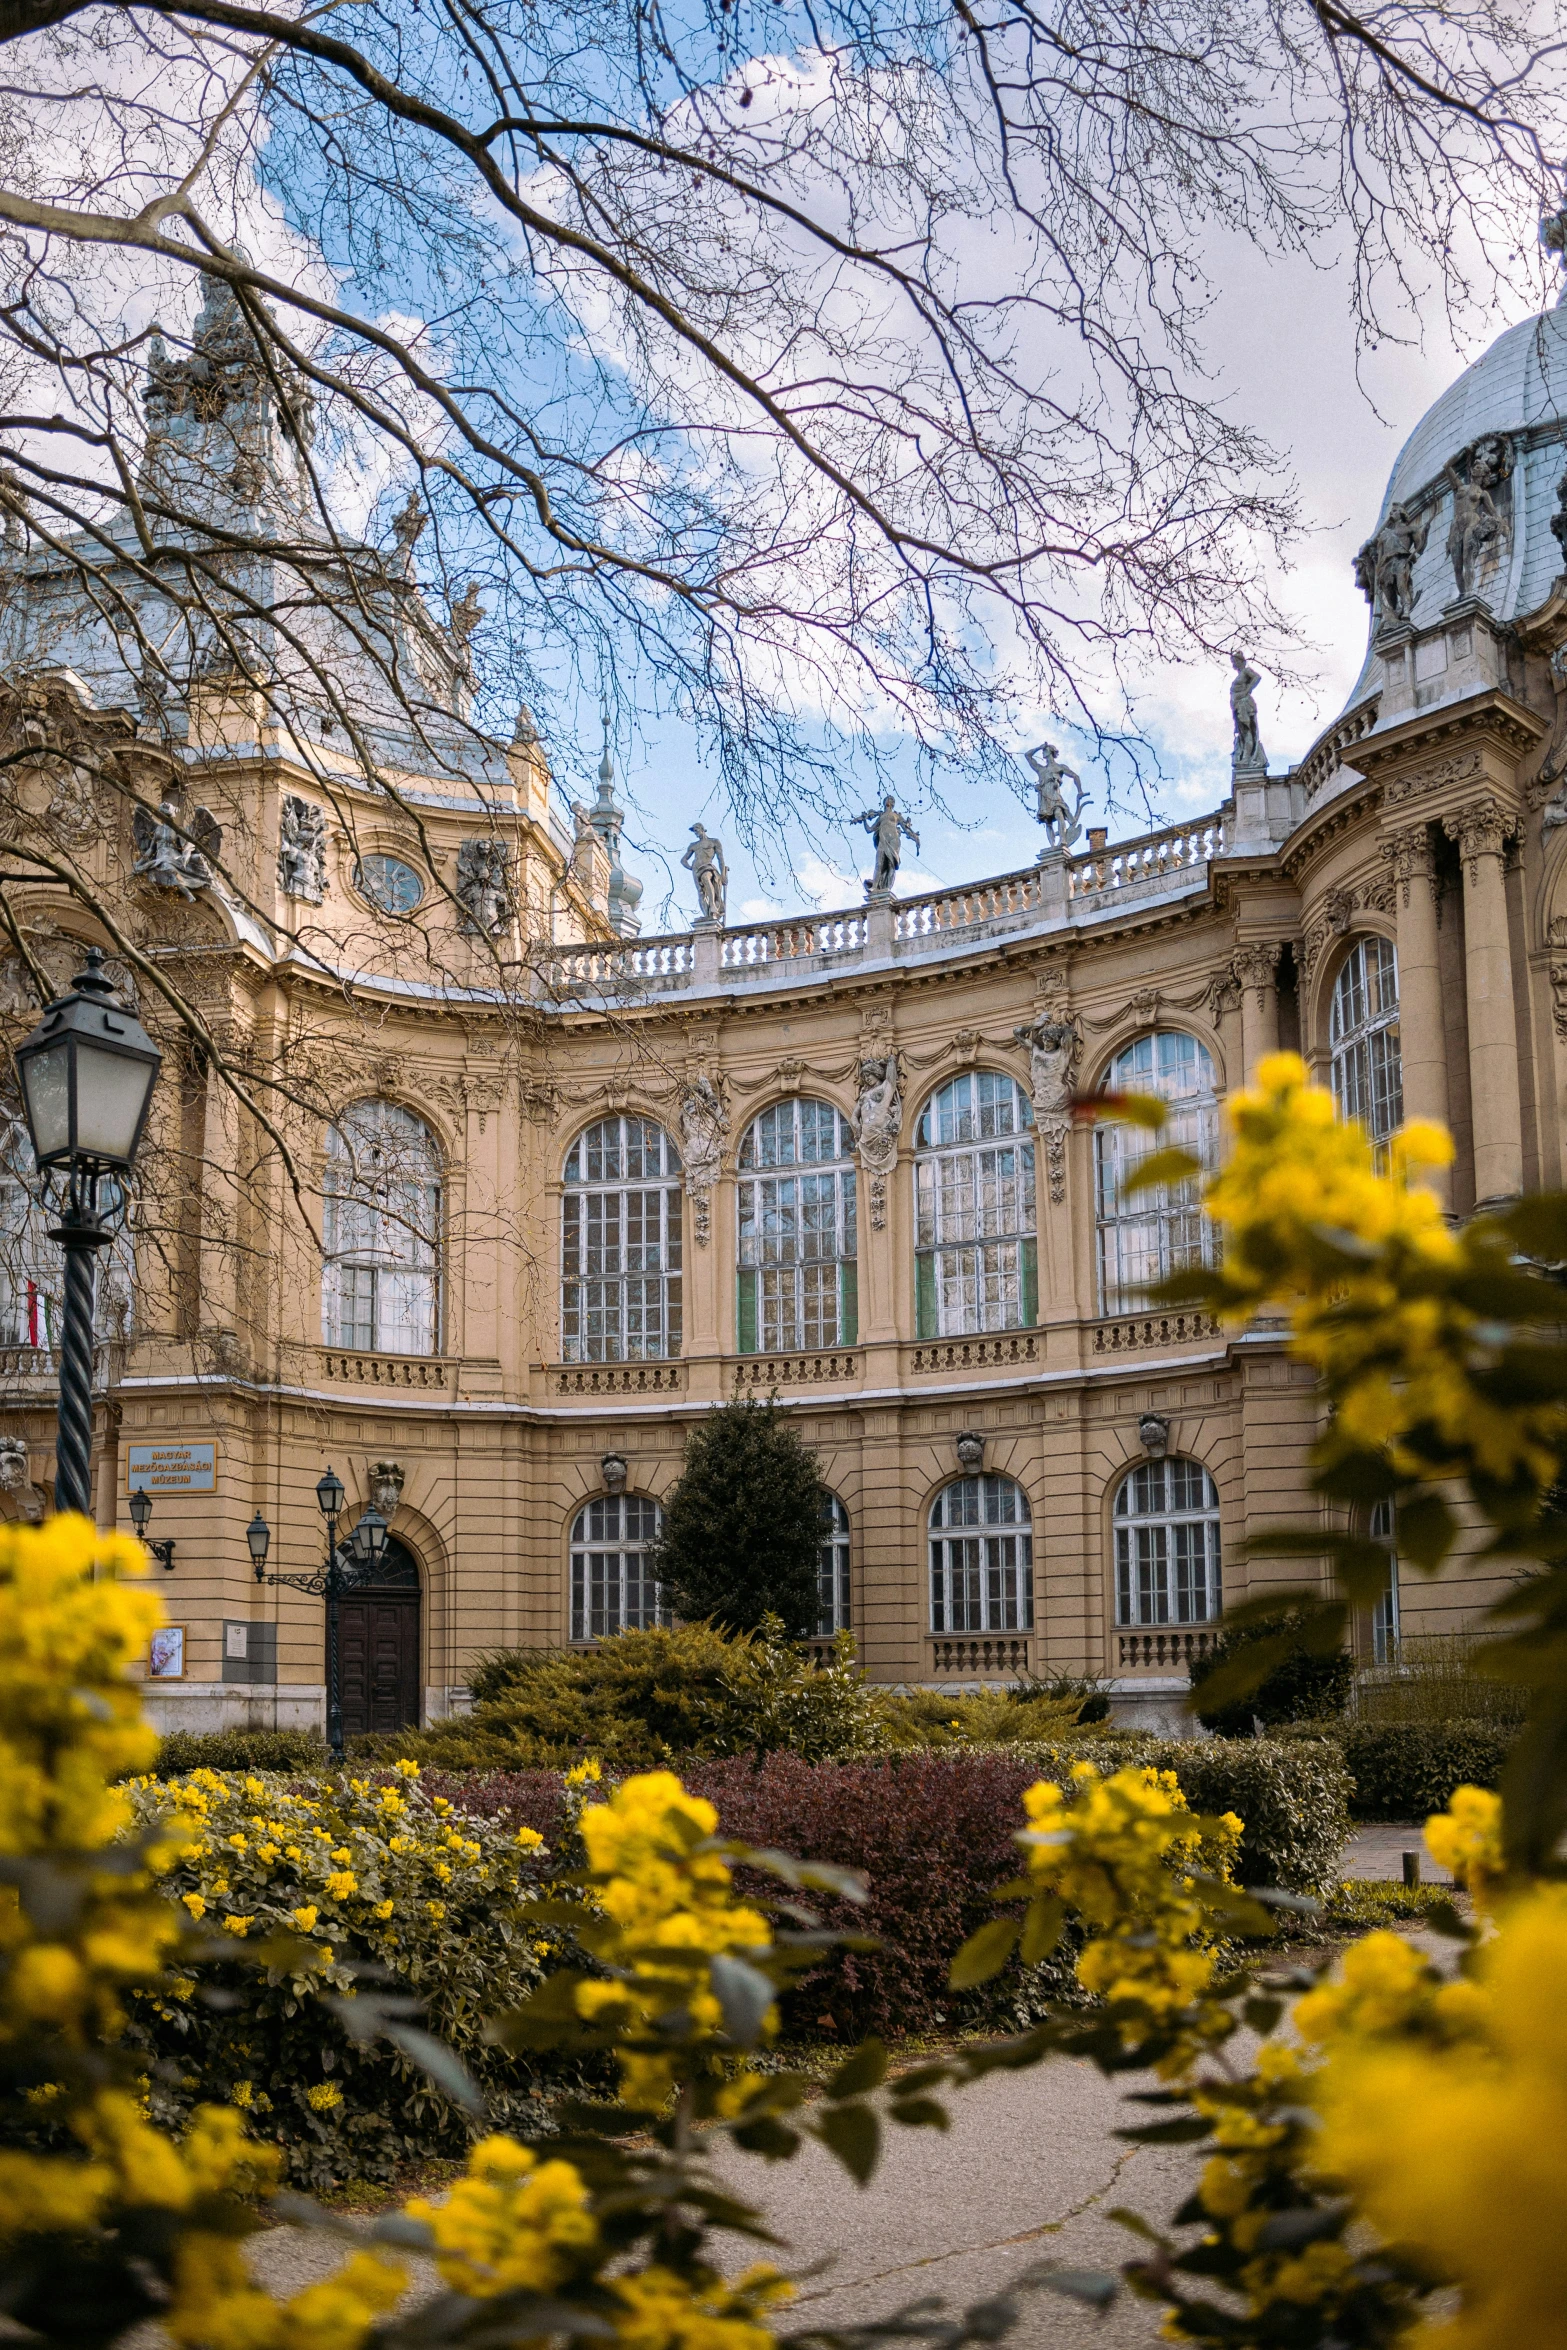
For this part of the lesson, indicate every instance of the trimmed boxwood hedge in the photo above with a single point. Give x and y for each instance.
(183, 1751)
(1406, 1770)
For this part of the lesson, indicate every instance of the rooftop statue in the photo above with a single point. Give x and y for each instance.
(1062, 824)
(704, 861)
(1384, 567)
(1482, 518)
(888, 831)
(1248, 755)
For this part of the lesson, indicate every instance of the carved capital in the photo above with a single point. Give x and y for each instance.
(1480, 828)
(1559, 998)
(1410, 858)
(1255, 965)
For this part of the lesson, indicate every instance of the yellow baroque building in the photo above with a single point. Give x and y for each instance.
(829, 1156)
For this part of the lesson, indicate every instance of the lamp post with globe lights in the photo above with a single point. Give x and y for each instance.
(349, 1566)
(86, 1074)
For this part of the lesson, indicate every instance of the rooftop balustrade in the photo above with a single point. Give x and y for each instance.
(1062, 893)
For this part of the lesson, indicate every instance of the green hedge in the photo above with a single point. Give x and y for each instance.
(239, 1750)
(1407, 1770)
(1293, 1795)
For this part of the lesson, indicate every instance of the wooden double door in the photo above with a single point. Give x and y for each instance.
(378, 1649)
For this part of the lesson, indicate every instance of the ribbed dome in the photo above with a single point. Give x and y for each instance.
(1518, 388)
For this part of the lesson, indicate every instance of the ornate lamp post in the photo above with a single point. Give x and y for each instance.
(348, 1567)
(87, 1073)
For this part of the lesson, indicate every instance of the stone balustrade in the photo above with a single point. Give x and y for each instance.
(1168, 1651)
(1062, 894)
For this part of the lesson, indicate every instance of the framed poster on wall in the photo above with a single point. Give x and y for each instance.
(166, 1654)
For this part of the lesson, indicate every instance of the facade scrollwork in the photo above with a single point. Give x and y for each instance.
(878, 1123)
(704, 1129)
(1054, 1049)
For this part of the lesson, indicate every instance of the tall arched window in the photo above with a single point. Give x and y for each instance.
(620, 1244)
(1384, 1616)
(1167, 1545)
(30, 1274)
(976, 1263)
(612, 1585)
(981, 1557)
(1146, 1235)
(833, 1570)
(1368, 1071)
(797, 1275)
(382, 1280)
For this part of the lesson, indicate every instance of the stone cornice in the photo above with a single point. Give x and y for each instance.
(1398, 755)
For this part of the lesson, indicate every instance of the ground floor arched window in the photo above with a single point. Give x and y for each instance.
(981, 1557)
(1167, 1545)
(833, 1570)
(612, 1583)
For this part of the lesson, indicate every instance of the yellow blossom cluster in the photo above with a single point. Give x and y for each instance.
(1466, 1839)
(1442, 2107)
(1123, 1853)
(174, 2213)
(670, 1908)
(1372, 1278)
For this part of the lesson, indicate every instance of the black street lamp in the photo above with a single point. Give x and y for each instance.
(349, 1566)
(87, 1073)
(141, 1511)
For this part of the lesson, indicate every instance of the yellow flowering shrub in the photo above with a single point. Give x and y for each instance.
(322, 1880)
(109, 1895)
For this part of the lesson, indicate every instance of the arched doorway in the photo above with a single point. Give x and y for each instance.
(378, 1648)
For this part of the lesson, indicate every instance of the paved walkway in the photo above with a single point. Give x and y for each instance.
(1378, 1852)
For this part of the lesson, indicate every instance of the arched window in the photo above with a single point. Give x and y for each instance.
(381, 1285)
(1167, 1545)
(1368, 1071)
(981, 1557)
(30, 1266)
(797, 1275)
(620, 1244)
(833, 1569)
(976, 1264)
(1146, 1235)
(1384, 1616)
(612, 1586)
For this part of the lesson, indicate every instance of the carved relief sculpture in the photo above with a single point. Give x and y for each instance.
(1062, 824)
(169, 860)
(878, 1124)
(1384, 567)
(1482, 525)
(704, 1125)
(1054, 1048)
(888, 831)
(484, 887)
(704, 861)
(301, 855)
(1247, 756)
(386, 1487)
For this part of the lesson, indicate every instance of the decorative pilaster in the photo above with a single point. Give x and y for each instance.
(1422, 1037)
(1480, 830)
(1256, 967)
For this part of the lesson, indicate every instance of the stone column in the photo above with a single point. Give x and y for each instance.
(1256, 974)
(1422, 1037)
(1480, 830)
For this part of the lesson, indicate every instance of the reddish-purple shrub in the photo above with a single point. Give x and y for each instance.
(531, 1799)
(933, 1833)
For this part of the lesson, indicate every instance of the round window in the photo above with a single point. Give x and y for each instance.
(390, 884)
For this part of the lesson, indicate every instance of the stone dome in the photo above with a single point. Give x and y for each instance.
(1516, 391)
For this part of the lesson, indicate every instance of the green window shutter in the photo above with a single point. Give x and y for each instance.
(848, 1303)
(1030, 1270)
(925, 1294)
(746, 1311)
